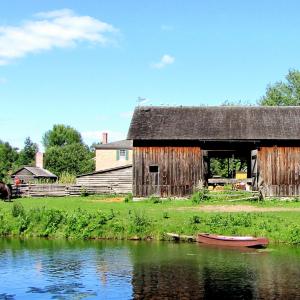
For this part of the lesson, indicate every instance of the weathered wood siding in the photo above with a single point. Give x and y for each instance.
(119, 181)
(61, 190)
(279, 170)
(180, 169)
(25, 175)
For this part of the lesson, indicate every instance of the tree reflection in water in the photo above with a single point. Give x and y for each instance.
(41, 269)
(182, 271)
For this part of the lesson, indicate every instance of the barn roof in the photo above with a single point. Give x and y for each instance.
(213, 123)
(36, 172)
(124, 144)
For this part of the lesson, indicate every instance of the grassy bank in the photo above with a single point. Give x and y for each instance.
(111, 217)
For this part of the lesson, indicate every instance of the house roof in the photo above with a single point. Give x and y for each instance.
(106, 170)
(37, 172)
(124, 144)
(213, 123)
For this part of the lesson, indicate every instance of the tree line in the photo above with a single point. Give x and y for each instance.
(65, 152)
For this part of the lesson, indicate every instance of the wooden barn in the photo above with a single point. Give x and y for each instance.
(173, 146)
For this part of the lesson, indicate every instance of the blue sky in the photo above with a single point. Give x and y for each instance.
(85, 63)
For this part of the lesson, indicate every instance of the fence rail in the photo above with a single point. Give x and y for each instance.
(60, 190)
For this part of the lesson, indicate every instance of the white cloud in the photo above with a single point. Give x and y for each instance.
(96, 136)
(164, 61)
(48, 30)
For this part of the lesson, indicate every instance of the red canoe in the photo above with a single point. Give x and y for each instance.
(232, 241)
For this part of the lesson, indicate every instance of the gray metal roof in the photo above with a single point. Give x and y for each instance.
(215, 123)
(124, 144)
(37, 172)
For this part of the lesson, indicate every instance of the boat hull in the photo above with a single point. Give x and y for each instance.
(232, 241)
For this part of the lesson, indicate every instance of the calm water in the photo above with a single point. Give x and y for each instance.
(41, 269)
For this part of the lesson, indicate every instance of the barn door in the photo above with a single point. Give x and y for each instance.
(254, 172)
(154, 180)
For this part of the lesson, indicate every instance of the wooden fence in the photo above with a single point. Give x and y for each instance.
(60, 190)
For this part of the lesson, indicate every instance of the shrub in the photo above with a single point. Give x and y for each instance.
(17, 210)
(128, 198)
(67, 178)
(166, 215)
(51, 219)
(294, 234)
(140, 223)
(195, 220)
(228, 187)
(84, 192)
(155, 199)
(200, 196)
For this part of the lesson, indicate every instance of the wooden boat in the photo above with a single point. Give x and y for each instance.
(232, 241)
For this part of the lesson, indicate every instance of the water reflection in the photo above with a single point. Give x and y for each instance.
(188, 272)
(41, 269)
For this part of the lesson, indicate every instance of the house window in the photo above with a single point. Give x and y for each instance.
(122, 154)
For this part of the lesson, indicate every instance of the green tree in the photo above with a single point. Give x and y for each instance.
(27, 154)
(74, 159)
(8, 160)
(61, 135)
(219, 166)
(283, 93)
(65, 151)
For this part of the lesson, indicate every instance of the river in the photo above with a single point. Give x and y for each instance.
(58, 269)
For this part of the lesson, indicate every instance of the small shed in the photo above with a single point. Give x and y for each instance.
(117, 180)
(28, 174)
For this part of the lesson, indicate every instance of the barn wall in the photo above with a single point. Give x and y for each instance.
(180, 169)
(119, 181)
(279, 170)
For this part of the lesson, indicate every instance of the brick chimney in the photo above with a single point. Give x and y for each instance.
(104, 137)
(39, 160)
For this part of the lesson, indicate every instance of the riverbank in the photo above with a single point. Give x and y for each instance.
(109, 217)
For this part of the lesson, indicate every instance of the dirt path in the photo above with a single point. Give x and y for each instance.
(237, 208)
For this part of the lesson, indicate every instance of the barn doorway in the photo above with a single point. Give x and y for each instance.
(222, 167)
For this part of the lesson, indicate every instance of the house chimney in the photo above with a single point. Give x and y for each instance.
(104, 137)
(39, 160)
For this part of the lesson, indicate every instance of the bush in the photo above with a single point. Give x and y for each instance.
(166, 215)
(84, 192)
(195, 220)
(17, 210)
(140, 223)
(155, 199)
(67, 178)
(128, 198)
(294, 234)
(200, 196)
(228, 187)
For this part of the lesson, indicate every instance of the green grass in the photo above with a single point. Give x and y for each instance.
(101, 217)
